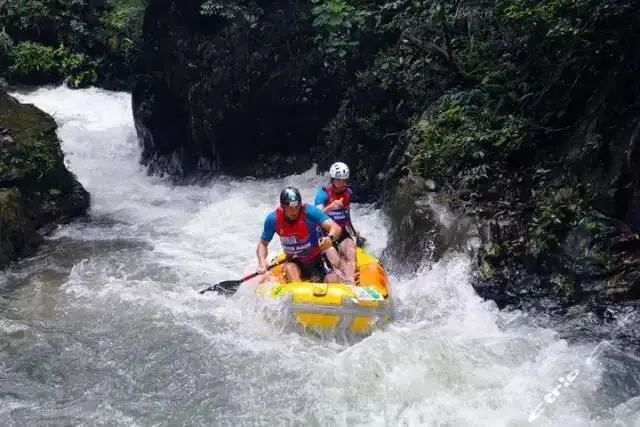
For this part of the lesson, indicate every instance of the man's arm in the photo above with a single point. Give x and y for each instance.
(322, 219)
(321, 201)
(262, 250)
(332, 228)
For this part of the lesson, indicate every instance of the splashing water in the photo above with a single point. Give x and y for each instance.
(104, 326)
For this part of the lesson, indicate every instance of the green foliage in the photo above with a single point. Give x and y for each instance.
(33, 63)
(24, 15)
(101, 40)
(484, 97)
(125, 16)
(552, 21)
(77, 68)
(462, 139)
(35, 157)
(563, 286)
(73, 23)
(123, 24)
(32, 159)
(337, 24)
(555, 215)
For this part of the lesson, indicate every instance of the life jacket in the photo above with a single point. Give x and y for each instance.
(297, 238)
(342, 216)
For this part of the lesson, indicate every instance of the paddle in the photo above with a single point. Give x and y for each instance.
(360, 241)
(229, 287)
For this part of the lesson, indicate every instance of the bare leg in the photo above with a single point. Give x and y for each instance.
(292, 272)
(337, 265)
(333, 257)
(348, 257)
(331, 278)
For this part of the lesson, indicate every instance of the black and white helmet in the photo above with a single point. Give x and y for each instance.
(290, 196)
(339, 170)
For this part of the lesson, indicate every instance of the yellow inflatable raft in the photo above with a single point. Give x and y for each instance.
(335, 306)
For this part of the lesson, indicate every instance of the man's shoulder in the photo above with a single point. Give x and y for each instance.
(308, 207)
(271, 216)
(321, 196)
(314, 211)
(322, 190)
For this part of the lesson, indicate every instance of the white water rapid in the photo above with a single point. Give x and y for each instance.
(104, 326)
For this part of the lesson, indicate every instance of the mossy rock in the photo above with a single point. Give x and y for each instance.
(36, 188)
(28, 146)
(17, 233)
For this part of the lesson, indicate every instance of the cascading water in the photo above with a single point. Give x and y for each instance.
(104, 326)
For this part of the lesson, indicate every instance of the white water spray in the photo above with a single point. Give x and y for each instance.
(105, 325)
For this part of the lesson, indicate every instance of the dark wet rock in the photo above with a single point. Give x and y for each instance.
(36, 189)
(421, 227)
(598, 259)
(17, 235)
(244, 95)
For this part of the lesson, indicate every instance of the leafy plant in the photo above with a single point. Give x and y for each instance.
(463, 138)
(33, 63)
(82, 27)
(337, 24)
(77, 68)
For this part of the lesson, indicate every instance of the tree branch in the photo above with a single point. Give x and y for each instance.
(427, 46)
(446, 54)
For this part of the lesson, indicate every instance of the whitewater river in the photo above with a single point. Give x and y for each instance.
(104, 326)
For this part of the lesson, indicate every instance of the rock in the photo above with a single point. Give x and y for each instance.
(17, 234)
(36, 189)
(422, 229)
(221, 94)
(603, 256)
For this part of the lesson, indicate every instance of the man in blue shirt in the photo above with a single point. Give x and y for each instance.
(297, 225)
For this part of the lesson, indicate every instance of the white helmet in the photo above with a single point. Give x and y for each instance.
(339, 170)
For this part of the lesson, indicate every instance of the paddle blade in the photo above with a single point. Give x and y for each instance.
(228, 287)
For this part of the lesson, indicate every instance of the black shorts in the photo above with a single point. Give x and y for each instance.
(359, 241)
(344, 235)
(313, 271)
